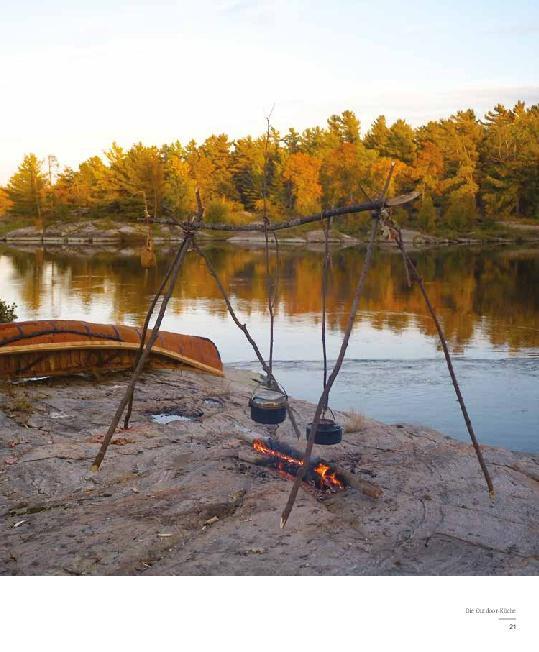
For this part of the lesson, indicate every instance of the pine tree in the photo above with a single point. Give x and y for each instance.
(180, 187)
(145, 175)
(133, 174)
(302, 171)
(510, 161)
(27, 189)
(343, 128)
(85, 189)
(248, 170)
(350, 127)
(211, 166)
(377, 136)
(292, 141)
(401, 142)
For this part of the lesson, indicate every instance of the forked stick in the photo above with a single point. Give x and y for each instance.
(322, 402)
(147, 350)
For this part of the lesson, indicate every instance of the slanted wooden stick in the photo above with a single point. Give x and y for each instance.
(409, 266)
(243, 328)
(324, 397)
(180, 255)
(419, 280)
(199, 215)
(145, 332)
(322, 402)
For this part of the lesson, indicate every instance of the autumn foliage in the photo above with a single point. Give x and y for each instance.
(467, 170)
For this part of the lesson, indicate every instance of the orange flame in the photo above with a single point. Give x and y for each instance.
(327, 477)
(261, 447)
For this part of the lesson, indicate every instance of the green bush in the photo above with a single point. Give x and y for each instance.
(461, 213)
(227, 211)
(427, 214)
(400, 215)
(7, 312)
(217, 211)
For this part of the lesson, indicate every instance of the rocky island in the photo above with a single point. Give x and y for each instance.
(183, 492)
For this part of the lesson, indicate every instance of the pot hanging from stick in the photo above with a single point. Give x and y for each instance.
(268, 406)
(328, 432)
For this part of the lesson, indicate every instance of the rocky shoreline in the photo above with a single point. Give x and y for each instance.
(99, 233)
(189, 496)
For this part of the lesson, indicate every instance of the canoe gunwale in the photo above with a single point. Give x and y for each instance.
(64, 331)
(109, 345)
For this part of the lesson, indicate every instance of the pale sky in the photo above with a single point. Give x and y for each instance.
(78, 74)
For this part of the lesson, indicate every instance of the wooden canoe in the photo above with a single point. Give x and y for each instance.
(63, 347)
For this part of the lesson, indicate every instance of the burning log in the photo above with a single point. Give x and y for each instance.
(320, 474)
(267, 447)
(368, 488)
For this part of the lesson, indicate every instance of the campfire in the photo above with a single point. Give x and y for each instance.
(287, 462)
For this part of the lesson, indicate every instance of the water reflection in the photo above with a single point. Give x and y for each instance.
(487, 294)
(488, 300)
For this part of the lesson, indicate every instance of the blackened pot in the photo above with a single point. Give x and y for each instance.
(268, 416)
(327, 433)
(268, 407)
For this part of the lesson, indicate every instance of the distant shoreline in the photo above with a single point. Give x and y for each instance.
(107, 234)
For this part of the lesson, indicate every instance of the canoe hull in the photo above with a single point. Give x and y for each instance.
(64, 347)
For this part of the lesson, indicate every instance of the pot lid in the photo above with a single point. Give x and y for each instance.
(268, 398)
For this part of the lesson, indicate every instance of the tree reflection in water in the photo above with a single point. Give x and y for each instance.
(494, 291)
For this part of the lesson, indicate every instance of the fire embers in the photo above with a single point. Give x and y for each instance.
(287, 462)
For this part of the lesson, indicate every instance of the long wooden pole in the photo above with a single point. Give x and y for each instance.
(298, 221)
(419, 280)
(409, 266)
(145, 332)
(270, 281)
(180, 255)
(329, 384)
(324, 302)
(322, 402)
(199, 215)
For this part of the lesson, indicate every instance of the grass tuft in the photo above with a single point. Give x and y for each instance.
(355, 422)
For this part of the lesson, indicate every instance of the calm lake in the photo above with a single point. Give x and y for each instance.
(488, 299)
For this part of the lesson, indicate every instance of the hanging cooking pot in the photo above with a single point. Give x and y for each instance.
(327, 433)
(268, 406)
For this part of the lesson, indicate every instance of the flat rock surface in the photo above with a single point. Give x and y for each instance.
(188, 497)
(318, 235)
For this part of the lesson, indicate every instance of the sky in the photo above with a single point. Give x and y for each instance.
(79, 74)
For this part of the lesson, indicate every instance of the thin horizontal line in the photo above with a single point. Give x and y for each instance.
(506, 618)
